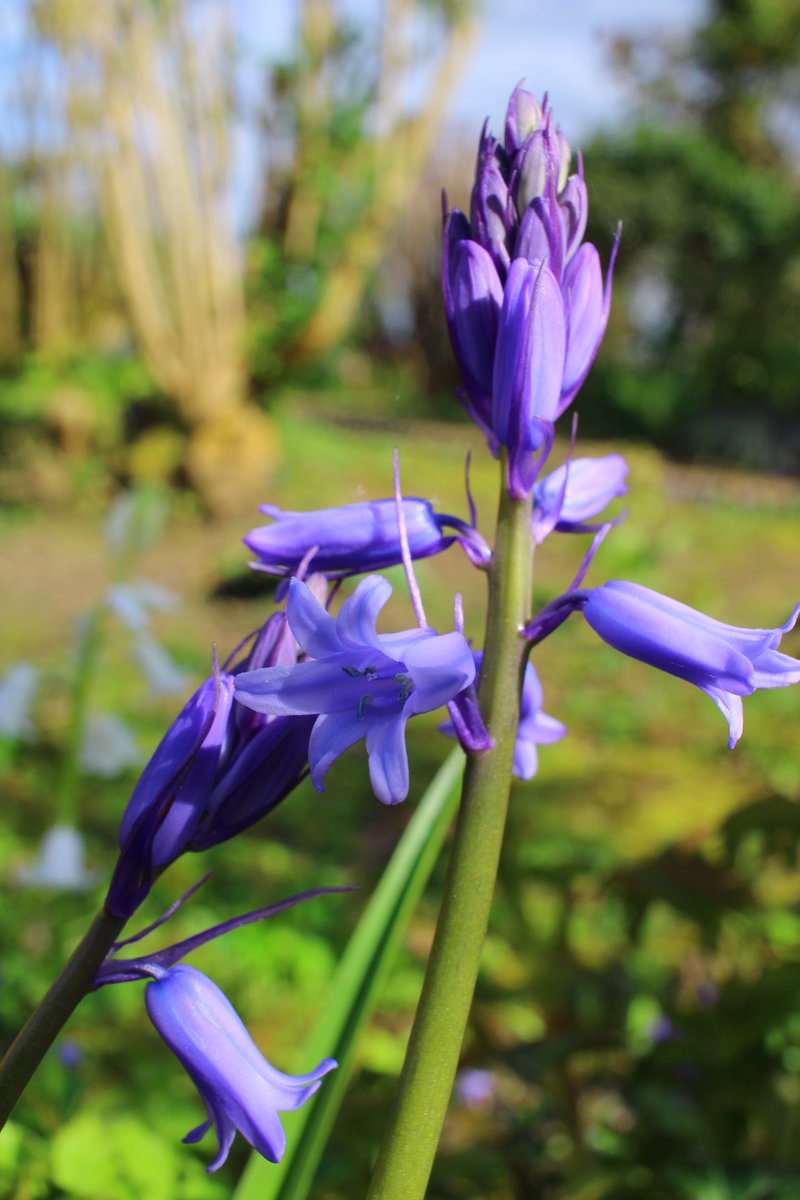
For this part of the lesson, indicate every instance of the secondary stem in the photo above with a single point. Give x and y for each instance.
(412, 1134)
(88, 654)
(48, 1018)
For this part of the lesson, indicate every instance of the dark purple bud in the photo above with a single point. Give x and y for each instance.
(587, 305)
(528, 369)
(476, 297)
(218, 769)
(489, 203)
(573, 205)
(541, 234)
(168, 800)
(261, 773)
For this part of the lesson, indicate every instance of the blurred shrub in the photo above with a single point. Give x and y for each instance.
(702, 355)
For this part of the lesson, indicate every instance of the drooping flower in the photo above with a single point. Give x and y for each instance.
(535, 727)
(356, 538)
(240, 1089)
(570, 496)
(17, 693)
(60, 863)
(218, 769)
(725, 661)
(359, 684)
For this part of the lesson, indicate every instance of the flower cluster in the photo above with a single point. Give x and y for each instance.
(524, 295)
(527, 308)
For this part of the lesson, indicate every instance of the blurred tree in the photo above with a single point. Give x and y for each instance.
(703, 354)
(149, 100)
(10, 299)
(363, 123)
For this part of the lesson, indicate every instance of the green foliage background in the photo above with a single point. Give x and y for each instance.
(638, 1001)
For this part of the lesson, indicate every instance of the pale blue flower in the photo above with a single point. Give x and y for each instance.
(361, 684)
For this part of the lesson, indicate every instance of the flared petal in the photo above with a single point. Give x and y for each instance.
(388, 759)
(440, 667)
(314, 628)
(732, 710)
(526, 759)
(576, 492)
(395, 645)
(774, 669)
(542, 729)
(357, 616)
(333, 733)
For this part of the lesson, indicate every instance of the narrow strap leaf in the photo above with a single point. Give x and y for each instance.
(354, 989)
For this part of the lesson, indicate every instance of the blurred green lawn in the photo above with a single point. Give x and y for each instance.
(638, 1004)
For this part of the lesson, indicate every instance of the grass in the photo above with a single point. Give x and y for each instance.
(644, 861)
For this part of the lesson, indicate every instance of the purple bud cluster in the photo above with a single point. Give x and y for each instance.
(524, 295)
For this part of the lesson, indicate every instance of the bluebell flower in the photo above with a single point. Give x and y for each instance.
(356, 538)
(568, 498)
(535, 727)
(218, 769)
(725, 661)
(359, 684)
(242, 1092)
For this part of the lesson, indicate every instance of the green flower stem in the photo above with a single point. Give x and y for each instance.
(85, 668)
(412, 1134)
(48, 1018)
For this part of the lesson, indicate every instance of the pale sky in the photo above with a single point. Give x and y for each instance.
(555, 46)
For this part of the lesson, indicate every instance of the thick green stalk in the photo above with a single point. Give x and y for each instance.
(406, 1156)
(48, 1018)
